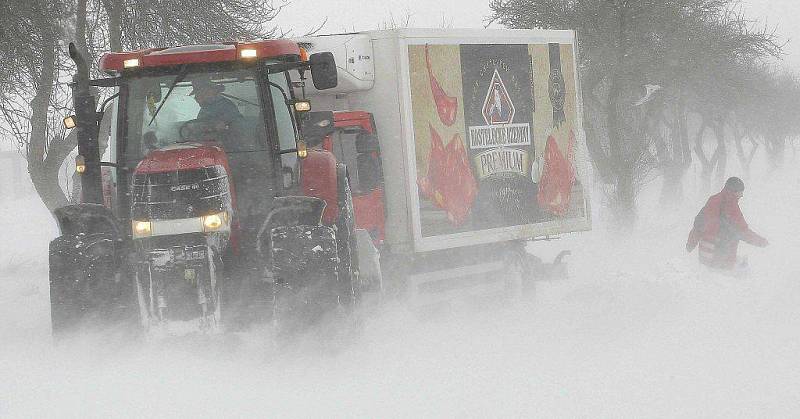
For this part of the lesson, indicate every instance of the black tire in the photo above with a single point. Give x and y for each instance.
(347, 250)
(65, 306)
(212, 286)
(306, 287)
(88, 288)
(142, 288)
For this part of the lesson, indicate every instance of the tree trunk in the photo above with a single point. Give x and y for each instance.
(775, 146)
(705, 162)
(745, 159)
(80, 25)
(683, 133)
(44, 174)
(114, 10)
(672, 186)
(681, 159)
(721, 152)
(624, 205)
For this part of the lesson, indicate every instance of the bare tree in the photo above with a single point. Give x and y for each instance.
(780, 124)
(692, 51)
(30, 100)
(34, 96)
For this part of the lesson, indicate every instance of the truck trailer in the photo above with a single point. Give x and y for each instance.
(481, 147)
(414, 164)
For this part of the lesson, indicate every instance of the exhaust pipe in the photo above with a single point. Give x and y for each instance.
(87, 128)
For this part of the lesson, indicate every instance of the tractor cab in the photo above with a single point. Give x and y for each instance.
(201, 112)
(202, 123)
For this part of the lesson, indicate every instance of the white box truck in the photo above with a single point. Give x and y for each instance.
(481, 146)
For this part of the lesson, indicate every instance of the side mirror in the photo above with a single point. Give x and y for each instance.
(316, 126)
(323, 70)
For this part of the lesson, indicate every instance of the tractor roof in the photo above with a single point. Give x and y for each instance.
(191, 54)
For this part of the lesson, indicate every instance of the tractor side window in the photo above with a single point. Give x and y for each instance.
(285, 128)
(283, 116)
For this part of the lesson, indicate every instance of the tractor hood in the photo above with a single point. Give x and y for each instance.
(181, 182)
(185, 156)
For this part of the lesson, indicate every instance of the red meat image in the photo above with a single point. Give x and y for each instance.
(446, 105)
(436, 161)
(449, 182)
(558, 176)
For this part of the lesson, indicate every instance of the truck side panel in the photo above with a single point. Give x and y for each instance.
(481, 135)
(495, 130)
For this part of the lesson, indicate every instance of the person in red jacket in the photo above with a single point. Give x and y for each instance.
(720, 226)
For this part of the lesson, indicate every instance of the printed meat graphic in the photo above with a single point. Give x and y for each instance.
(558, 176)
(449, 182)
(446, 105)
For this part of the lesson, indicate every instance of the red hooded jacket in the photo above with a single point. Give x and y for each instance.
(718, 228)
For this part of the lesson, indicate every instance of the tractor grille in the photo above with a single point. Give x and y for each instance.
(180, 194)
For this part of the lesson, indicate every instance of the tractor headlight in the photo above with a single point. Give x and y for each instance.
(214, 222)
(206, 224)
(142, 228)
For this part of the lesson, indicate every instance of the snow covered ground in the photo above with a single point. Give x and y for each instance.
(637, 331)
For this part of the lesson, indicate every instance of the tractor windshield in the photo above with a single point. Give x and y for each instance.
(220, 106)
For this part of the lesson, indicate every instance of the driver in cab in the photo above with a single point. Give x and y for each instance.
(217, 113)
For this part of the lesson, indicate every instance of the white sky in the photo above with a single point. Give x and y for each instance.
(349, 15)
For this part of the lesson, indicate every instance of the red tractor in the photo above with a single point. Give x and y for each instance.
(222, 200)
